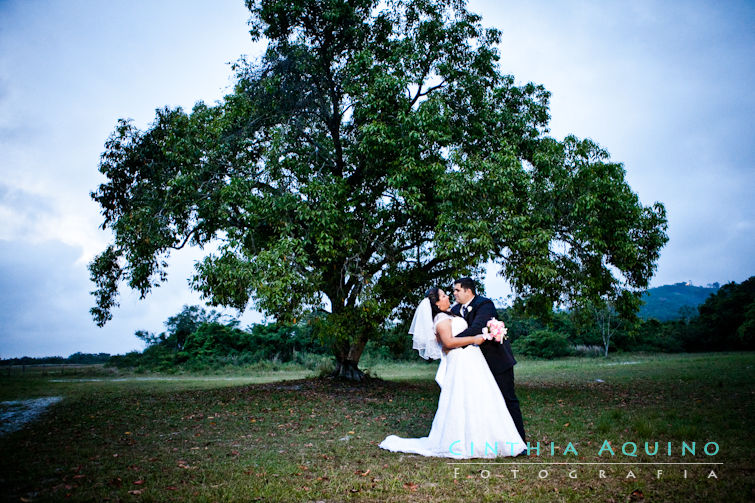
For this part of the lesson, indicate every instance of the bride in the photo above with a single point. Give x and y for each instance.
(472, 420)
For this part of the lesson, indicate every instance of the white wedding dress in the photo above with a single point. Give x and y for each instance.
(472, 420)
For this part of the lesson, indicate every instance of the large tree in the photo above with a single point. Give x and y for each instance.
(375, 149)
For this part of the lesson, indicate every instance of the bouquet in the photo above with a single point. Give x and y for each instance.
(495, 330)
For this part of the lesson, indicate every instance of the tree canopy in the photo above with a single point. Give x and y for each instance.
(374, 150)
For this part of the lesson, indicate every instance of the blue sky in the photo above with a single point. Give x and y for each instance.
(665, 87)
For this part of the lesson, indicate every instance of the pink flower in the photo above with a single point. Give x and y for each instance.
(495, 330)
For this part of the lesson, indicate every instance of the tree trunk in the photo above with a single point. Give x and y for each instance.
(603, 320)
(348, 370)
(607, 333)
(347, 360)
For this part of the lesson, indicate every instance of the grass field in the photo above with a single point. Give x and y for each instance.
(284, 436)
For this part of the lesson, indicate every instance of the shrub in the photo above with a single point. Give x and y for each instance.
(325, 368)
(653, 336)
(310, 360)
(130, 359)
(543, 344)
(395, 343)
(591, 351)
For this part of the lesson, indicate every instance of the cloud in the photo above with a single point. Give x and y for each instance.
(32, 217)
(45, 300)
(21, 212)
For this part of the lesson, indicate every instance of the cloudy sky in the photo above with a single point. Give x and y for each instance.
(665, 87)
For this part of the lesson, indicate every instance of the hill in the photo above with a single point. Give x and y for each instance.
(664, 302)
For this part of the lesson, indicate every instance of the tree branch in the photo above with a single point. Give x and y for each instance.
(429, 90)
(186, 240)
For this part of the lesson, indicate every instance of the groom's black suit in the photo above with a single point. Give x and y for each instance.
(499, 356)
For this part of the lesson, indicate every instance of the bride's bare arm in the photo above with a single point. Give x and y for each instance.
(450, 342)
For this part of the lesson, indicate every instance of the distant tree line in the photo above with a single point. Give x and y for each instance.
(724, 322)
(76, 358)
(196, 338)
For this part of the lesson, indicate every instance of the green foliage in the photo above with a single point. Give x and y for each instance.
(284, 342)
(88, 358)
(725, 322)
(543, 344)
(726, 319)
(181, 325)
(393, 343)
(211, 343)
(132, 359)
(214, 339)
(721, 323)
(187, 322)
(520, 323)
(373, 151)
(654, 336)
(746, 331)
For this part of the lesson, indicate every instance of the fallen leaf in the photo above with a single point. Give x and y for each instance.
(636, 495)
(412, 487)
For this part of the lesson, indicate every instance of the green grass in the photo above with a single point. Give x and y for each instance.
(254, 437)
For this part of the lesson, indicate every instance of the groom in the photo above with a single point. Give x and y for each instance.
(477, 311)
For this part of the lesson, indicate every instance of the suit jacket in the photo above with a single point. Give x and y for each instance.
(499, 356)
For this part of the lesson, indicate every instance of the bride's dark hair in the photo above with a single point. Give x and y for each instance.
(434, 296)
